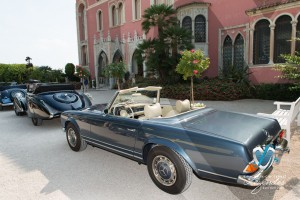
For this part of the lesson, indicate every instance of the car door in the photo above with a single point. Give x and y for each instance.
(115, 133)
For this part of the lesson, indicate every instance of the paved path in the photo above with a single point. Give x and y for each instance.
(36, 163)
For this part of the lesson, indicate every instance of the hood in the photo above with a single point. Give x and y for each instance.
(250, 130)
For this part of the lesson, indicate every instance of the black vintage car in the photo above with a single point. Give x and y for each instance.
(48, 101)
(8, 91)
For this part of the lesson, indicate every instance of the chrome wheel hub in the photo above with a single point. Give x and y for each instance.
(72, 138)
(164, 170)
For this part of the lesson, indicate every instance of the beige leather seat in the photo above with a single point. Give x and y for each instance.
(181, 106)
(152, 111)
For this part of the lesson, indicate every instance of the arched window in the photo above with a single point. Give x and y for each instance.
(99, 20)
(81, 20)
(200, 28)
(114, 15)
(187, 23)
(120, 14)
(117, 57)
(283, 36)
(84, 55)
(298, 36)
(137, 9)
(227, 53)
(238, 59)
(261, 42)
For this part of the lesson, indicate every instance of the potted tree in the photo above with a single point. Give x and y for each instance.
(192, 64)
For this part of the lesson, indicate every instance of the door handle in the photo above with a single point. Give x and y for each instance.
(131, 129)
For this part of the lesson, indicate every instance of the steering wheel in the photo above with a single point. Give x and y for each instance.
(121, 106)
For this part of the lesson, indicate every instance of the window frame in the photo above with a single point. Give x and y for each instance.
(99, 20)
(203, 38)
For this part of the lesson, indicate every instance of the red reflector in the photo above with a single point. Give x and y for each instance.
(281, 134)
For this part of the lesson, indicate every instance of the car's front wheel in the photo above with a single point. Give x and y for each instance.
(74, 139)
(169, 170)
(36, 121)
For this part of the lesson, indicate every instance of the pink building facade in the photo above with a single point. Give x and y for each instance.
(251, 33)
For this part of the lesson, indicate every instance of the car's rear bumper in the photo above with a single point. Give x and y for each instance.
(255, 179)
(258, 177)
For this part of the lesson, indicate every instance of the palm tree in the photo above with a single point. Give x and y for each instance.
(162, 52)
(160, 16)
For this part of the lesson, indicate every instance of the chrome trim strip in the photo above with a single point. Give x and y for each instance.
(106, 143)
(216, 174)
(131, 155)
(6, 104)
(110, 148)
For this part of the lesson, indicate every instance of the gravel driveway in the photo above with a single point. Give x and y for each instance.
(36, 163)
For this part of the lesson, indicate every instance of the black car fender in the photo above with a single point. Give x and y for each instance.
(85, 99)
(154, 142)
(21, 102)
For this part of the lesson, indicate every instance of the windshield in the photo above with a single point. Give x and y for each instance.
(143, 97)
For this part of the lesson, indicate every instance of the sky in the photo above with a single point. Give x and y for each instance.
(44, 30)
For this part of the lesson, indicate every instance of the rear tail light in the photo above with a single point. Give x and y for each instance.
(281, 134)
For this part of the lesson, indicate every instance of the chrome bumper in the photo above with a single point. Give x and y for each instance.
(257, 178)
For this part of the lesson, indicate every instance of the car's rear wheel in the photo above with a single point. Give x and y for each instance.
(36, 121)
(76, 143)
(168, 170)
(16, 110)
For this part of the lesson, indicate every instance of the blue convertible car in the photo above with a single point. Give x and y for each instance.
(8, 91)
(177, 141)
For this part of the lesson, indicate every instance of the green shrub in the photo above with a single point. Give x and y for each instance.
(224, 90)
(279, 92)
(208, 89)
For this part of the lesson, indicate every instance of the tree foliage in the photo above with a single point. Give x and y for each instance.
(161, 53)
(21, 73)
(12, 72)
(192, 64)
(290, 70)
(115, 70)
(82, 71)
(46, 74)
(70, 70)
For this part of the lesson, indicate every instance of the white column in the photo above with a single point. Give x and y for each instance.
(272, 34)
(251, 46)
(144, 69)
(193, 31)
(293, 43)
